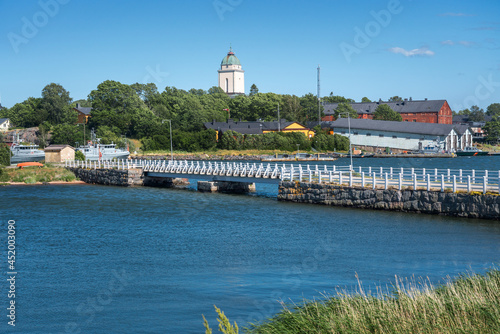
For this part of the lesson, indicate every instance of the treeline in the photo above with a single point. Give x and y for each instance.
(206, 140)
(141, 112)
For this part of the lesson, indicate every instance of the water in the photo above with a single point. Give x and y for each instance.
(99, 259)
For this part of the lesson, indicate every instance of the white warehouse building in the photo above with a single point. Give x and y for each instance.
(405, 136)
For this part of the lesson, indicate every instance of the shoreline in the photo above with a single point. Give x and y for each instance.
(51, 183)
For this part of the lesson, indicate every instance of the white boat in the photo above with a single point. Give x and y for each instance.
(94, 150)
(25, 153)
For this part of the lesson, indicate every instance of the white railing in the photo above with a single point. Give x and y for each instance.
(367, 177)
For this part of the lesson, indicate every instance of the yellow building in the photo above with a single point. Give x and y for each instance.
(59, 153)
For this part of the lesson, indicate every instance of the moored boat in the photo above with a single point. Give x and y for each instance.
(470, 151)
(94, 150)
(25, 153)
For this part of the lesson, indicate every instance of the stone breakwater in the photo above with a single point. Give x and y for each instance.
(114, 177)
(125, 178)
(418, 201)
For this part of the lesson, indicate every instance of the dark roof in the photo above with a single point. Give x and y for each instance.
(56, 148)
(247, 127)
(465, 119)
(398, 106)
(3, 120)
(83, 110)
(390, 126)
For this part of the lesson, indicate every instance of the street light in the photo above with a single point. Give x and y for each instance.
(349, 125)
(171, 147)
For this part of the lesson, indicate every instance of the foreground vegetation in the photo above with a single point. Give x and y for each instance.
(468, 304)
(31, 175)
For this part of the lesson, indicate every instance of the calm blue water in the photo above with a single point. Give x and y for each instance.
(99, 259)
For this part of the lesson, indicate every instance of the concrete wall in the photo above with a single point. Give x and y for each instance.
(418, 201)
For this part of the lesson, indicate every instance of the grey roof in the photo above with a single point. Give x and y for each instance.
(465, 119)
(84, 110)
(2, 120)
(390, 126)
(56, 148)
(247, 127)
(413, 106)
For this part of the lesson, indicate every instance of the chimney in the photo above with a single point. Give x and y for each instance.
(406, 100)
(411, 99)
(425, 99)
(78, 106)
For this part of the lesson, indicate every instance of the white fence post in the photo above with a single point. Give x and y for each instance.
(454, 183)
(363, 179)
(442, 183)
(319, 176)
(330, 177)
(373, 181)
(386, 181)
(485, 183)
(350, 178)
(414, 177)
(400, 181)
(428, 182)
(468, 184)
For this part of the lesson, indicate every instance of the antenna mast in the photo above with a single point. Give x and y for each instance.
(319, 98)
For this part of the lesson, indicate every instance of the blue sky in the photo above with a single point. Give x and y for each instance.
(411, 48)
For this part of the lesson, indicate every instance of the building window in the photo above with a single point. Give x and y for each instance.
(406, 120)
(368, 134)
(355, 133)
(342, 132)
(394, 137)
(407, 138)
(381, 136)
(414, 120)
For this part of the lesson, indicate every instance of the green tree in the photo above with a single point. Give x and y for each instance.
(476, 114)
(365, 99)
(336, 99)
(309, 103)
(344, 109)
(385, 113)
(114, 104)
(27, 113)
(395, 99)
(56, 102)
(493, 109)
(253, 90)
(465, 112)
(492, 129)
(5, 153)
(67, 134)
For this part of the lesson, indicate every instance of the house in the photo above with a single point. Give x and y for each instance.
(83, 114)
(258, 128)
(476, 127)
(422, 111)
(59, 153)
(4, 124)
(373, 135)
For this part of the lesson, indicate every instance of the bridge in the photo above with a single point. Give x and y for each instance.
(451, 180)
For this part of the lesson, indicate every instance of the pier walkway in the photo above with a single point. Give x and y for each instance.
(444, 180)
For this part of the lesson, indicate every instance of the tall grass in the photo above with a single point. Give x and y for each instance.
(468, 304)
(30, 175)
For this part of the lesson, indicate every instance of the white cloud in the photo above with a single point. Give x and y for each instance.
(447, 42)
(424, 51)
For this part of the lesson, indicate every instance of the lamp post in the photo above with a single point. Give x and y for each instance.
(171, 147)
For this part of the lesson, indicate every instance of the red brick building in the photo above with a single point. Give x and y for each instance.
(423, 111)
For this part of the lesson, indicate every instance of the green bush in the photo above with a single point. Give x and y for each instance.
(79, 156)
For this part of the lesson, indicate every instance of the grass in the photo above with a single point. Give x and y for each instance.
(31, 175)
(468, 304)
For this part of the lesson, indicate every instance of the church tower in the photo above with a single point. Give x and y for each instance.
(231, 76)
